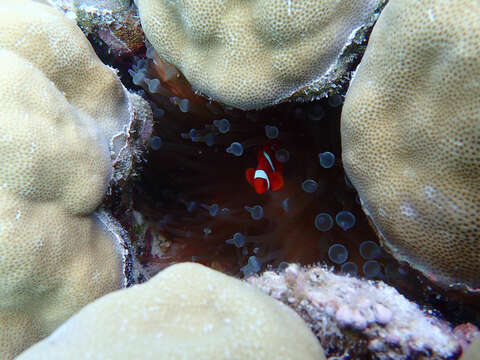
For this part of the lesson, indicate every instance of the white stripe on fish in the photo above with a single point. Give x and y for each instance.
(269, 160)
(260, 174)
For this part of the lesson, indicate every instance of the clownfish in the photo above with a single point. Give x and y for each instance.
(268, 174)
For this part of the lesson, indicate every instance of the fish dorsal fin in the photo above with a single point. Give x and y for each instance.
(250, 175)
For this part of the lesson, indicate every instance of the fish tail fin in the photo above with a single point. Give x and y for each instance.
(276, 181)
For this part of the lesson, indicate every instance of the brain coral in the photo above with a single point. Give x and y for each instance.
(65, 131)
(185, 312)
(411, 136)
(251, 54)
(56, 45)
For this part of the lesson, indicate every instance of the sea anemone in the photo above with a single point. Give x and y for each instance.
(193, 192)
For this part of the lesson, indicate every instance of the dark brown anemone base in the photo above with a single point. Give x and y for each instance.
(186, 176)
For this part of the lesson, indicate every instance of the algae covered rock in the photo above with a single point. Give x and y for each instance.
(359, 319)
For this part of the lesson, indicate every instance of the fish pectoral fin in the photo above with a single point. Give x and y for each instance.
(249, 175)
(276, 181)
(260, 186)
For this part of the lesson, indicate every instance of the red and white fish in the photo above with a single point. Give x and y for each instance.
(268, 174)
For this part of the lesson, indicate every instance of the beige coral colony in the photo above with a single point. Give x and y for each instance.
(73, 132)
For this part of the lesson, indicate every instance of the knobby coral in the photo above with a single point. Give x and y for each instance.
(359, 319)
(186, 311)
(411, 136)
(67, 129)
(254, 54)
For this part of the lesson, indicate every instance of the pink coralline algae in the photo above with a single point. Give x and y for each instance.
(360, 319)
(115, 23)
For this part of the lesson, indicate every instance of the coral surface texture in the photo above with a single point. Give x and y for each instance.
(411, 136)
(187, 312)
(63, 117)
(255, 53)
